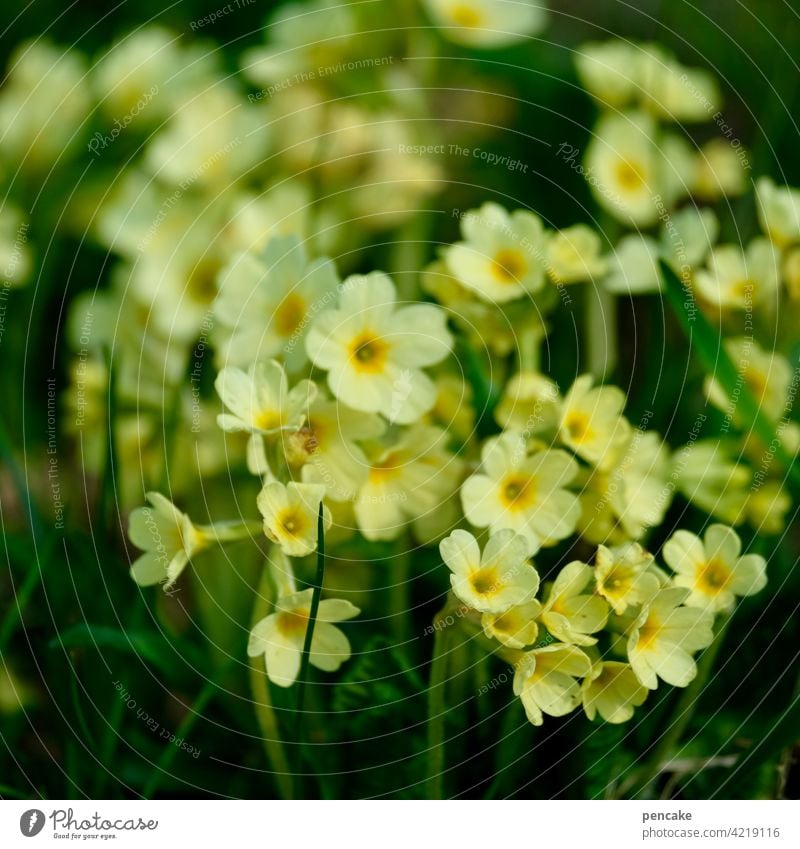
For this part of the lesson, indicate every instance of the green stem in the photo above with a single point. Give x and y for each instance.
(262, 702)
(683, 713)
(305, 660)
(436, 710)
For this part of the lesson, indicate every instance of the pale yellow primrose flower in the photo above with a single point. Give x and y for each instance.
(612, 690)
(487, 23)
(719, 171)
(740, 280)
(526, 493)
(169, 539)
(712, 568)
(592, 424)
(607, 70)
(281, 635)
(502, 255)
(374, 351)
(545, 680)
(264, 305)
(529, 403)
(664, 637)
(326, 448)
(408, 480)
(290, 515)
(260, 403)
(515, 627)
(569, 614)
(499, 579)
(623, 576)
(767, 374)
(778, 211)
(575, 255)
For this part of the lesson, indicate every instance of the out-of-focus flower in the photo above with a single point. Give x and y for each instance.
(612, 690)
(15, 254)
(496, 580)
(592, 424)
(768, 377)
(281, 635)
(43, 104)
(712, 568)
(487, 23)
(607, 70)
(711, 479)
(502, 254)
(569, 613)
(623, 576)
(740, 280)
(664, 637)
(529, 404)
(545, 680)
(719, 171)
(574, 254)
(526, 493)
(673, 92)
(778, 211)
(290, 515)
(265, 306)
(767, 508)
(409, 479)
(374, 352)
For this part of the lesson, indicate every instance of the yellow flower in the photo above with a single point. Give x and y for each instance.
(712, 568)
(374, 352)
(664, 637)
(529, 403)
(515, 627)
(623, 576)
(624, 167)
(711, 479)
(326, 447)
(607, 70)
(767, 375)
(264, 305)
(169, 539)
(575, 254)
(766, 507)
(569, 614)
(290, 515)
(486, 23)
(545, 680)
(523, 492)
(495, 581)
(260, 403)
(592, 424)
(502, 255)
(281, 635)
(719, 171)
(778, 211)
(673, 92)
(613, 691)
(408, 480)
(740, 280)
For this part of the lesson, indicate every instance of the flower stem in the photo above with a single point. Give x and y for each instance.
(312, 621)
(684, 710)
(436, 710)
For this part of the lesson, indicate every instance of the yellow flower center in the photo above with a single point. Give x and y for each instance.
(369, 353)
(267, 419)
(465, 15)
(292, 522)
(509, 266)
(485, 581)
(713, 577)
(629, 175)
(201, 285)
(578, 426)
(744, 288)
(618, 581)
(293, 623)
(517, 492)
(649, 632)
(290, 314)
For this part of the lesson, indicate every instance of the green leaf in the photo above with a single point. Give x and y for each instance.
(709, 348)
